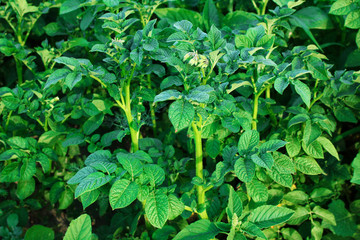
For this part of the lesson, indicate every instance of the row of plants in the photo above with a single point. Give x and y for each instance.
(179, 119)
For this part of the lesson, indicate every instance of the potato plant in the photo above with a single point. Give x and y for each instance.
(159, 119)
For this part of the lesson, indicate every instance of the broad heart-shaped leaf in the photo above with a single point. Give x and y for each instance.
(39, 232)
(264, 160)
(56, 76)
(307, 165)
(257, 191)
(157, 209)
(25, 188)
(155, 173)
(181, 114)
(79, 229)
(200, 230)
(244, 169)
(92, 182)
(234, 204)
(132, 165)
(303, 90)
(248, 141)
(268, 215)
(122, 193)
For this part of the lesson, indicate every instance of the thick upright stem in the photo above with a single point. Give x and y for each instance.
(19, 70)
(255, 111)
(134, 133)
(199, 168)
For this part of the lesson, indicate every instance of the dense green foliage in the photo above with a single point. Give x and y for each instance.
(183, 119)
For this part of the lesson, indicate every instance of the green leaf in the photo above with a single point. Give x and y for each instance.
(81, 175)
(177, 14)
(163, 233)
(324, 214)
(215, 38)
(303, 90)
(280, 177)
(356, 165)
(297, 197)
(79, 229)
(314, 150)
(344, 114)
(93, 123)
(267, 215)
(264, 160)
(39, 232)
(341, 7)
(69, 6)
(105, 167)
(248, 141)
(72, 79)
(353, 19)
(328, 146)
(98, 156)
(92, 182)
(211, 15)
(290, 234)
(299, 118)
(176, 207)
(244, 169)
(184, 26)
(89, 198)
(257, 191)
(56, 76)
(281, 83)
(25, 188)
(28, 169)
(317, 68)
(73, 139)
(181, 114)
(200, 230)
(212, 147)
(167, 95)
(122, 193)
(66, 199)
(301, 214)
(314, 18)
(132, 165)
(345, 224)
(252, 229)
(271, 146)
(234, 204)
(157, 209)
(155, 173)
(311, 132)
(307, 165)
(293, 146)
(240, 20)
(320, 194)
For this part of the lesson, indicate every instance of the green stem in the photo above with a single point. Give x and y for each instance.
(19, 70)
(255, 111)
(8, 120)
(199, 168)
(256, 7)
(263, 10)
(346, 133)
(46, 122)
(133, 132)
(231, 6)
